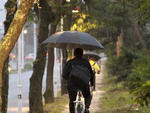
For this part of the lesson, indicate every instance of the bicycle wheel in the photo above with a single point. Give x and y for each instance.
(79, 108)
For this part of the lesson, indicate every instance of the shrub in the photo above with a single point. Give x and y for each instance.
(121, 66)
(139, 80)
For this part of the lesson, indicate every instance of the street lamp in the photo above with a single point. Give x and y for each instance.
(25, 31)
(20, 67)
(75, 11)
(67, 0)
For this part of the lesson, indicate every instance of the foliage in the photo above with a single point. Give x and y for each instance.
(113, 14)
(110, 49)
(143, 10)
(139, 80)
(121, 66)
(83, 25)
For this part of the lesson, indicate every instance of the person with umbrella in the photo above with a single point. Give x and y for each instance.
(74, 87)
(94, 65)
(95, 68)
(93, 58)
(72, 40)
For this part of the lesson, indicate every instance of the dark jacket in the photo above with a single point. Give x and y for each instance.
(76, 61)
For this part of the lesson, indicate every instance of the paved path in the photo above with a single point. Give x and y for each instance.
(95, 105)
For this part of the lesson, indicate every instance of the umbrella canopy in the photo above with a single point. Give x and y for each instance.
(73, 39)
(94, 65)
(93, 55)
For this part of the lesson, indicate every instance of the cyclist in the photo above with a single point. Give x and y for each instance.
(73, 88)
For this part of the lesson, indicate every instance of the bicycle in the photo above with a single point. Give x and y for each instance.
(79, 106)
(79, 103)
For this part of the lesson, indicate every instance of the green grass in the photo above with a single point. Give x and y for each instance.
(57, 106)
(16, 71)
(118, 99)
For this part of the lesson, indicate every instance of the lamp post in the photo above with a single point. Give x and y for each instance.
(19, 85)
(34, 40)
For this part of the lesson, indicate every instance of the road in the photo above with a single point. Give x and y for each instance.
(13, 92)
(25, 77)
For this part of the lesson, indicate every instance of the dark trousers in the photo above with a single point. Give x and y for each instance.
(94, 81)
(73, 94)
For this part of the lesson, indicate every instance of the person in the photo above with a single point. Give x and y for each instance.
(96, 69)
(94, 65)
(72, 88)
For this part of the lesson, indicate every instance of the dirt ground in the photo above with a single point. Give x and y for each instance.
(95, 105)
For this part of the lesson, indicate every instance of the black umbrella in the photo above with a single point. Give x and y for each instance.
(93, 55)
(73, 39)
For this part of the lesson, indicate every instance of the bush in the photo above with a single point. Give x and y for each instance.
(139, 80)
(121, 66)
(117, 100)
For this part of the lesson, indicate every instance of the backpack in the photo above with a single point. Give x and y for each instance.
(80, 76)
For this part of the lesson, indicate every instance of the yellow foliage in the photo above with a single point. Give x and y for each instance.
(82, 25)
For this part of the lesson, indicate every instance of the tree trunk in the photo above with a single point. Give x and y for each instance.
(12, 35)
(67, 25)
(139, 35)
(64, 82)
(49, 93)
(119, 44)
(35, 94)
(5, 86)
(11, 7)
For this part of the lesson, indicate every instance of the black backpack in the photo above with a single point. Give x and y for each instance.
(80, 75)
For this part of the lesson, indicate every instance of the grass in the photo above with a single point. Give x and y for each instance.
(16, 71)
(118, 99)
(58, 106)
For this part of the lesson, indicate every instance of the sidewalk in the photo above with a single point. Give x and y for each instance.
(95, 105)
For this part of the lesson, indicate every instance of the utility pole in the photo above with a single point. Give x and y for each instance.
(35, 39)
(22, 48)
(19, 85)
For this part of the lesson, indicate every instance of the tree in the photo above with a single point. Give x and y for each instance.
(117, 23)
(35, 91)
(67, 18)
(11, 7)
(55, 19)
(10, 38)
(142, 7)
(49, 92)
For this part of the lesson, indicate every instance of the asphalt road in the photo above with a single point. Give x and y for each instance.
(13, 106)
(13, 92)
